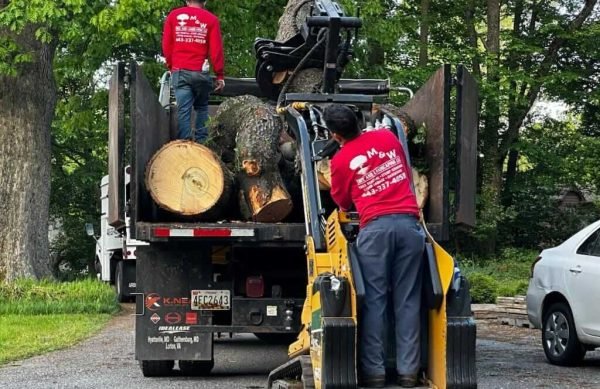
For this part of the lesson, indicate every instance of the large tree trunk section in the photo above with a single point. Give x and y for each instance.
(258, 158)
(293, 17)
(27, 106)
(257, 130)
(188, 179)
(224, 125)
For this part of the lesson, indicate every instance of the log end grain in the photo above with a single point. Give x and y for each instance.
(186, 178)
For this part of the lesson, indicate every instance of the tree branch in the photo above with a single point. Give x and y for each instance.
(523, 107)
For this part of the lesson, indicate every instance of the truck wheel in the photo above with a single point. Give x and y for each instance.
(156, 368)
(119, 288)
(281, 338)
(196, 368)
(559, 337)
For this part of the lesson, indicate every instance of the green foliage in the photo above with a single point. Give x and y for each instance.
(42, 316)
(484, 288)
(23, 336)
(28, 297)
(506, 274)
(554, 156)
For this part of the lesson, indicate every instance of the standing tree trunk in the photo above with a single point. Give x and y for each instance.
(27, 103)
(492, 167)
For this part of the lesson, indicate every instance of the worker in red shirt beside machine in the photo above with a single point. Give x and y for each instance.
(191, 36)
(370, 171)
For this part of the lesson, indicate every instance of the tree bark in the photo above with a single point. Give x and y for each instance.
(27, 103)
(472, 37)
(293, 17)
(492, 171)
(257, 130)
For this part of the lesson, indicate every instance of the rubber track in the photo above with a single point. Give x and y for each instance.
(297, 368)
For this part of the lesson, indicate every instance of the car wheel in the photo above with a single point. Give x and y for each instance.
(559, 338)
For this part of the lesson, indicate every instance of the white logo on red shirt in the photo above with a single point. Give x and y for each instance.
(183, 18)
(359, 162)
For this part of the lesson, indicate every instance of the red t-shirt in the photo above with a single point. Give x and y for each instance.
(190, 36)
(371, 172)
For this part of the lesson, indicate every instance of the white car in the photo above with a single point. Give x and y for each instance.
(563, 298)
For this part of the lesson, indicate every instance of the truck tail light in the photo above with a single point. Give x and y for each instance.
(533, 265)
(255, 286)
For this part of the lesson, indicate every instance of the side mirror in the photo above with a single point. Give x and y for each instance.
(89, 229)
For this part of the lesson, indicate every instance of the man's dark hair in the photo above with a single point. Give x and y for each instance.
(341, 120)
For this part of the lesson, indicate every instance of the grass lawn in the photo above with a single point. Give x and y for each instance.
(23, 336)
(41, 316)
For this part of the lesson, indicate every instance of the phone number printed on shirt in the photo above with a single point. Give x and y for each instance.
(381, 178)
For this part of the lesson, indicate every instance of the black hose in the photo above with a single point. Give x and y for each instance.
(299, 67)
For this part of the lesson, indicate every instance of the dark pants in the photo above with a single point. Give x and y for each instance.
(390, 253)
(192, 89)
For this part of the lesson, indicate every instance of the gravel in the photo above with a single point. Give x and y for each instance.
(507, 357)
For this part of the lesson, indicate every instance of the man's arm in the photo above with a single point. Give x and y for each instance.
(341, 186)
(167, 41)
(215, 47)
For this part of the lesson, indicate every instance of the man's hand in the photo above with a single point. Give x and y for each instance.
(219, 85)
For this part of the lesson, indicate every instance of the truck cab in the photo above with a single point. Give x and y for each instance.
(115, 249)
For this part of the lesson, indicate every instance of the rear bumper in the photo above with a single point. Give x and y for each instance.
(535, 299)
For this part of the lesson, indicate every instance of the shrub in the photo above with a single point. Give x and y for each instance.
(483, 288)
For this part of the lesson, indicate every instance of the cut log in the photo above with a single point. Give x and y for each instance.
(187, 178)
(421, 187)
(258, 157)
(264, 198)
(224, 125)
(255, 130)
(293, 17)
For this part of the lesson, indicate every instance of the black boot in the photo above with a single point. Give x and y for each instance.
(407, 380)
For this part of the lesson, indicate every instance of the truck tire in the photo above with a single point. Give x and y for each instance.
(157, 368)
(277, 338)
(119, 283)
(196, 368)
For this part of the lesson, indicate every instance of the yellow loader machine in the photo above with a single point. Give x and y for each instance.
(325, 354)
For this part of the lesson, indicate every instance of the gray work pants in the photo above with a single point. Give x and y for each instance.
(390, 253)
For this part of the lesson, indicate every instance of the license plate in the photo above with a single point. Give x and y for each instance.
(211, 300)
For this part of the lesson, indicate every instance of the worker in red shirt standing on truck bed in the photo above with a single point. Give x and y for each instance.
(371, 172)
(191, 36)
